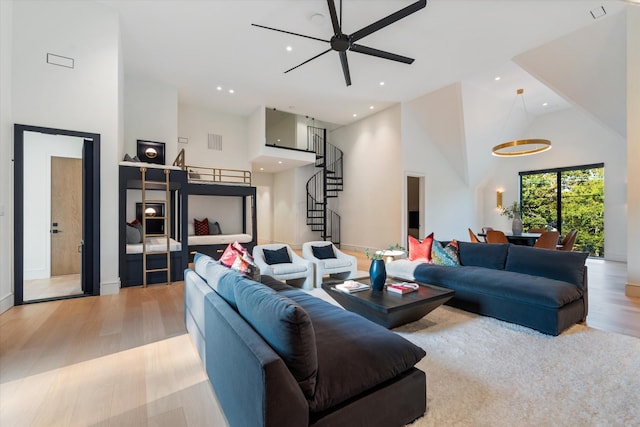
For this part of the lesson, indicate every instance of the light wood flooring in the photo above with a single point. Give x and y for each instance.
(125, 360)
(51, 287)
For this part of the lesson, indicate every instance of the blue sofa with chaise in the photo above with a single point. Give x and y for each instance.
(278, 356)
(542, 289)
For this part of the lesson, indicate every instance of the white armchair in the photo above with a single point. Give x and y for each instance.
(298, 272)
(341, 265)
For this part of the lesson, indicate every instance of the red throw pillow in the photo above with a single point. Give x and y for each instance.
(201, 228)
(420, 251)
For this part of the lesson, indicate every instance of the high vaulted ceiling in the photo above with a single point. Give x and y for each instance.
(198, 46)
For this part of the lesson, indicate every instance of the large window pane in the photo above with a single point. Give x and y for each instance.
(583, 208)
(566, 199)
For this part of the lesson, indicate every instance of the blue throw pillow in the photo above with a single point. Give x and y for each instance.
(214, 228)
(277, 256)
(285, 326)
(483, 255)
(323, 252)
(557, 265)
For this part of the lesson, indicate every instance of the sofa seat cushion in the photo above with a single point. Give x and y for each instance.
(332, 263)
(354, 354)
(284, 325)
(505, 285)
(288, 268)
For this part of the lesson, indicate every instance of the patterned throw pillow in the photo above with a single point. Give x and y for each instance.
(420, 251)
(445, 255)
(201, 227)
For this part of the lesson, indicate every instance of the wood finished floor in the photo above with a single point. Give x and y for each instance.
(125, 360)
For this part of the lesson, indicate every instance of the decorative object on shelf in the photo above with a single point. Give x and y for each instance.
(377, 274)
(514, 213)
(520, 147)
(151, 152)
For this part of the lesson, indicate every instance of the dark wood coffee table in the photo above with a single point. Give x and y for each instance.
(388, 309)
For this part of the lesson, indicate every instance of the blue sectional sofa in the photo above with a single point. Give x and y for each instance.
(277, 356)
(542, 289)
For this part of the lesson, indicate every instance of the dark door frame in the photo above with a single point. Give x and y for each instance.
(90, 277)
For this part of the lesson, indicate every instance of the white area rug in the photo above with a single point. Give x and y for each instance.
(484, 372)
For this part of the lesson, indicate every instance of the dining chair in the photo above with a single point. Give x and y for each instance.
(484, 231)
(568, 241)
(547, 240)
(473, 237)
(536, 230)
(496, 236)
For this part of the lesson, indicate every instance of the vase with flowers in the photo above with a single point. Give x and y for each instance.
(514, 213)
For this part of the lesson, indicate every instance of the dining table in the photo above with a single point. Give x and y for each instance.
(525, 239)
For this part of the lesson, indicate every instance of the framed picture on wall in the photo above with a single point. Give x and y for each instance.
(151, 152)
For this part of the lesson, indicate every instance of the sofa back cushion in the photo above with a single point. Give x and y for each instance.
(200, 262)
(483, 255)
(552, 264)
(285, 326)
(223, 280)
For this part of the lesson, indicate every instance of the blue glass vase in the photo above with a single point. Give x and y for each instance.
(377, 275)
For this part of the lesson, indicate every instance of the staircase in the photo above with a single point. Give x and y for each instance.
(324, 185)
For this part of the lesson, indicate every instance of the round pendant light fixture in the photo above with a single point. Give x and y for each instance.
(520, 147)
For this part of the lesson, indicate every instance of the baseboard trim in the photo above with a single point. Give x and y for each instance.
(110, 288)
(632, 290)
(6, 303)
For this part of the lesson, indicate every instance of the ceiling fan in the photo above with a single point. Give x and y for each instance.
(341, 42)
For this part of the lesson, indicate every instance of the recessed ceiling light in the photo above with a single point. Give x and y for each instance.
(497, 78)
(289, 48)
(279, 162)
(219, 88)
(371, 107)
(231, 91)
(278, 139)
(355, 115)
(381, 83)
(544, 104)
(261, 169)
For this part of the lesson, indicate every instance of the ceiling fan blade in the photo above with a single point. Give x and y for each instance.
(402, 13)
(289, 32)
(380, 53)
(334, 17)
(308, 60)
(345, 68)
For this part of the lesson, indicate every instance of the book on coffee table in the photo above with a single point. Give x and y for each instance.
(402, 288)
(351, 286)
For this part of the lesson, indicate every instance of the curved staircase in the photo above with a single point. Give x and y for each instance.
(324, 185)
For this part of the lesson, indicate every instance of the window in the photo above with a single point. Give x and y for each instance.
(566, 199)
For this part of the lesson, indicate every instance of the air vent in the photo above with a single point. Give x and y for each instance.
(598, 12)
(215, 142)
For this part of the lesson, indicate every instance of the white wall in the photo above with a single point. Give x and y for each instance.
(577, 139)
(264, 205)
(195, 123)
(371, 203)
(85, 98)
(633, 150)
(6, 154)
(150, 114)
(39, 148)
(448, 199)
